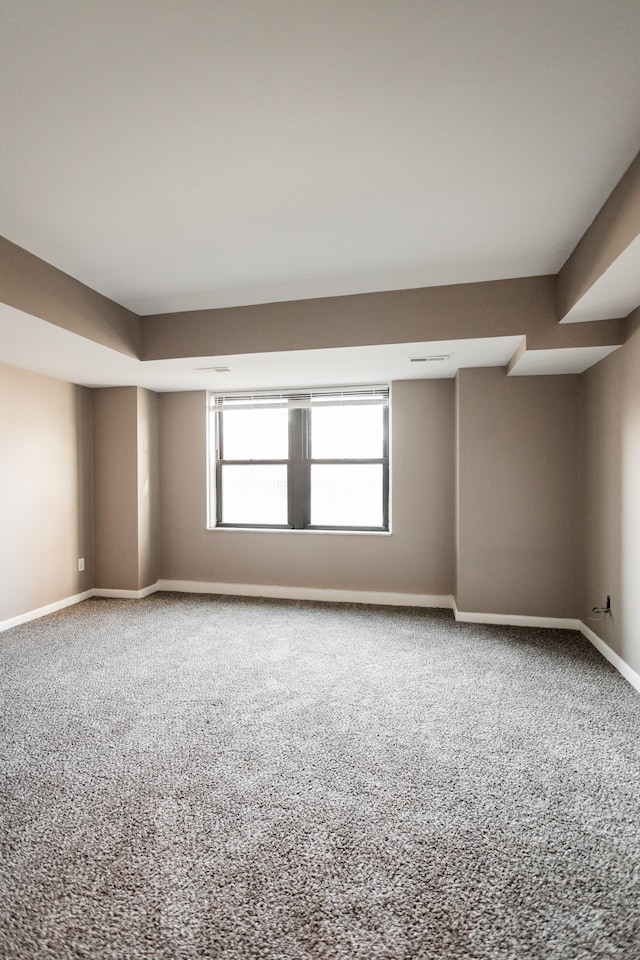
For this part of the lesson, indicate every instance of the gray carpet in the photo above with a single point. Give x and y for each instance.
(210, 777)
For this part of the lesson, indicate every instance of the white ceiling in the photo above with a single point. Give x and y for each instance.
(536, 363)
(177, 154)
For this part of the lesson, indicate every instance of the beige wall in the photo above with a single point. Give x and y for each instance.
(417, 557)
(126, 487)
(518, 494)
(611, 495)
(116, 487)
(522, 307)
(34, 286)
(616, 225)
(524, 525)
(148, 488)
(46, 491)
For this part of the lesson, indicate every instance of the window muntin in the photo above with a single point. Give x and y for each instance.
(303, 460)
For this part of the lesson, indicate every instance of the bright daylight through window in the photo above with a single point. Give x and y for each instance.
(303, 460)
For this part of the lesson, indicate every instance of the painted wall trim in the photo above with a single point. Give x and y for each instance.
(614, 658)
(516, 620)
(43, 611)
(277, 592)
(339, 596)
(115, 594)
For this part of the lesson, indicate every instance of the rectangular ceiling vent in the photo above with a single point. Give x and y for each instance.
(442, 356)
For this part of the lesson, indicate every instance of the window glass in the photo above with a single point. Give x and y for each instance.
(347, 432)
(300, 459)
(254, 493)
(255, 434)
(346, 495)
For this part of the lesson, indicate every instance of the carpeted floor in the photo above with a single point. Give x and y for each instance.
(211, 777)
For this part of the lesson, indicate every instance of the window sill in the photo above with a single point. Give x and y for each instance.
(279, 530)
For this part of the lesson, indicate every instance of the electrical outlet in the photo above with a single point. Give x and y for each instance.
(603, 611)
(80, 564)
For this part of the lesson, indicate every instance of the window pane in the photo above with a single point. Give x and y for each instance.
(347, 432)
(255, 434)
(254, 494)
(347, 495)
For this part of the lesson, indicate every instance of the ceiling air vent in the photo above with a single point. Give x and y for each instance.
(442, 356)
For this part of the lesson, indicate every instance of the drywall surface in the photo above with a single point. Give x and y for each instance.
(148, 487)
(34, 286)
(611, 495)
(116, 487)
(524, 306)
(417, 557)
(46, 491)
(518, 494)
(127, 498)
(616, 225)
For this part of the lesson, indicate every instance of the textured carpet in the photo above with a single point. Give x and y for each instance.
(210, 777)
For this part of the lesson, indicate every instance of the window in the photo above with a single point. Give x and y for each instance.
(309, 460)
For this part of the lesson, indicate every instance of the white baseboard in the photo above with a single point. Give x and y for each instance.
(43, 611)
(309, 593)
(556, 623)
(614, 659)
(76, 598)
(116, 594)
(242, 590)
(516, 620)
(444, 601)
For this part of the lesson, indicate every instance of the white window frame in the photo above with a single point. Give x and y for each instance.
(298, 403)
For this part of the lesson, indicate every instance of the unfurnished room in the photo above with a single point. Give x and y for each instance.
(320, 480)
